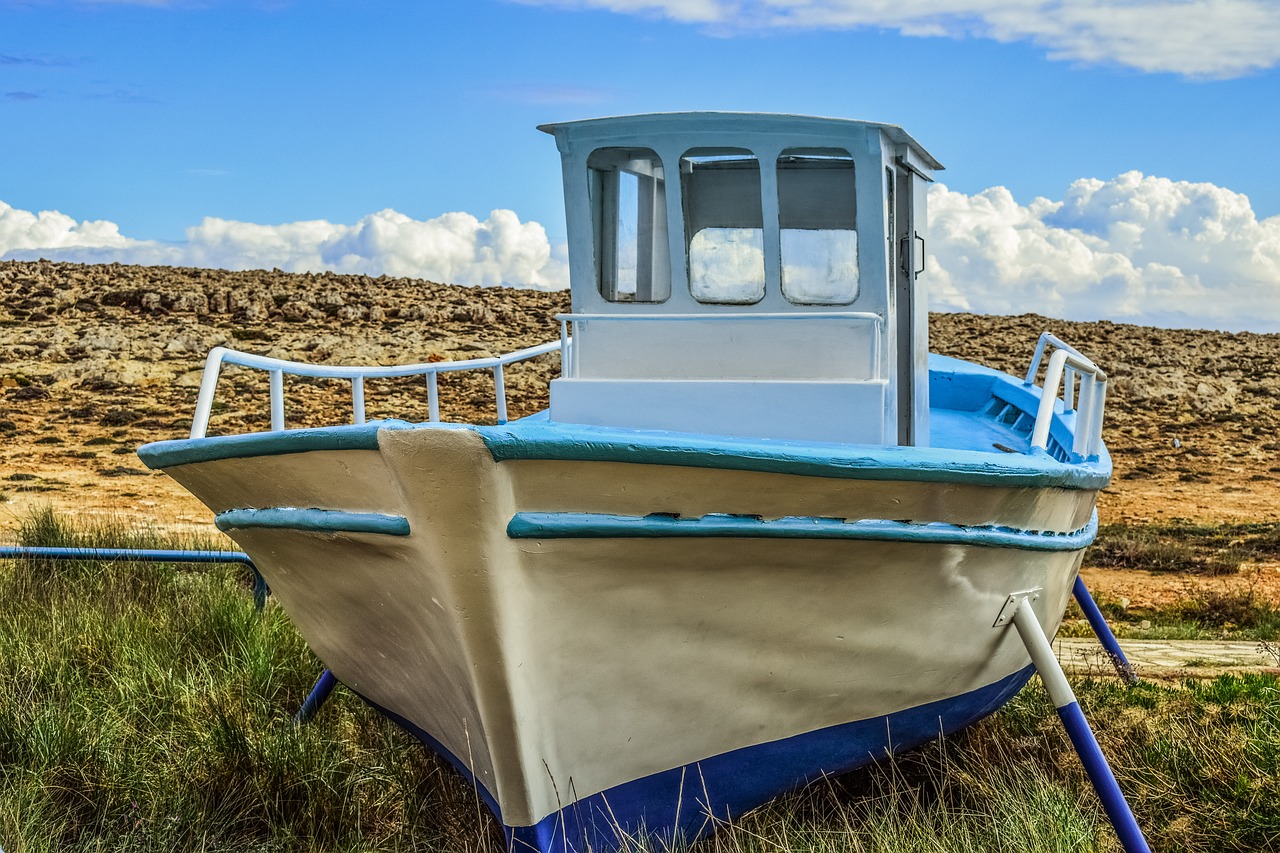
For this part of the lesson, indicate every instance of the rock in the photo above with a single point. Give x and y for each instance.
(298, 310)
(125, 337)
(194, 301)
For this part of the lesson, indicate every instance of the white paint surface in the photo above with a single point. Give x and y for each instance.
(594, 662)
(847, 411)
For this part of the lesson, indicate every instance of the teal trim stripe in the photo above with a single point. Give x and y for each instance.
(165, 454)
(522, 440)
(589, 525)
(313, 520)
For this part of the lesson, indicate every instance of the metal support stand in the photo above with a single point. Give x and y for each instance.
(1102, 631)
(319, 693)
(1082, 738)
(143, 555)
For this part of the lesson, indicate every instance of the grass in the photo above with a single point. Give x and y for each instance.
(1184, 546)
(148, 708)
(1202, 614)
(1199, 762)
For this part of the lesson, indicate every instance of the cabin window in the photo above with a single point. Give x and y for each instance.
(724, 225)
(816, 207)
(629, 211)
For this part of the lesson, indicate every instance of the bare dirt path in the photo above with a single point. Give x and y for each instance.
(1168, 659)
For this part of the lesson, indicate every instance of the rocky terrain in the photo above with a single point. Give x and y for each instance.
(95, 360)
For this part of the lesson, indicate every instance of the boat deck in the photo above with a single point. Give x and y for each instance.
(954, 429)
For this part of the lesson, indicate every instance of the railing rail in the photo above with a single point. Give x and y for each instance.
(1066, 369)
(277, 368)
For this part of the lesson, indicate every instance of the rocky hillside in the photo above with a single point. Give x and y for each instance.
(95, 360)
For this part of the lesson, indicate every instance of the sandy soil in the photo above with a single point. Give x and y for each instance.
(1148, 591)
(96, 360)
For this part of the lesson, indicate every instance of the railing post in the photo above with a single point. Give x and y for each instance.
(564, 347)
(1048, 396)
(876, 327)
(500, 392)
(1079, 444)
(1095, 418)
(277, 400)
(433, 398)
(579, 329)
(208, 384)
(1041, 343)
(357, 399)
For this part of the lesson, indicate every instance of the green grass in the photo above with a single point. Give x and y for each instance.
(1184, 546)
(1201, 615)
(148, 708)
(1200, 762)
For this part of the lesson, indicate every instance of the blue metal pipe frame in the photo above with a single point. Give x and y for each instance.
(1082, 738)
(323, 687)
(1103, 632)
(143, 555)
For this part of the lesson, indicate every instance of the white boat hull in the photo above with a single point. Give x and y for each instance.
(580, 630)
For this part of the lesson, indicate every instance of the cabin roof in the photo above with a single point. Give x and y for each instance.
(677, 122)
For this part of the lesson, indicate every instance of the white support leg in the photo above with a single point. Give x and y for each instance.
(1082, 738)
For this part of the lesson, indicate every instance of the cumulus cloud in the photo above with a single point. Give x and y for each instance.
(1135, 248)
(453, 247)
(49, 229)
(1197, 38)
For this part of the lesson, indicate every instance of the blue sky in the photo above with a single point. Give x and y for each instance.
(157, 117)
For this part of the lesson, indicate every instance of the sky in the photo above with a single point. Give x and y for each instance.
(1106, 159)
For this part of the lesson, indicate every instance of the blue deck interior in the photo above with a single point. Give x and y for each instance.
(958, 429)
(963, 408)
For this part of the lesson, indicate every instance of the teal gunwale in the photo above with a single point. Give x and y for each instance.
(313, 521)
(536, 438)
(585, 525)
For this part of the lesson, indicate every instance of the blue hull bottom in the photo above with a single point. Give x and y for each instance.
(689, 802)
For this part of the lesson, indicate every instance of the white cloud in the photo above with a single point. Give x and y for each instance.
(20, 229)
(1132, 249)
(453, 247)
(1197, 38)
(1136, 249)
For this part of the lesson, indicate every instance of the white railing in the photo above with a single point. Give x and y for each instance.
(1067, 367)
(569, 362)
(277, 368)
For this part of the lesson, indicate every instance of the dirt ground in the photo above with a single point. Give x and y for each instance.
(96, 360)
(1149, 591)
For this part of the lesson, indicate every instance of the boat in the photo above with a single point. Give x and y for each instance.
(759, 537)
